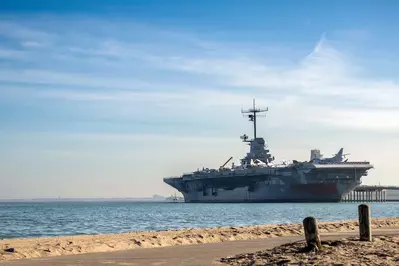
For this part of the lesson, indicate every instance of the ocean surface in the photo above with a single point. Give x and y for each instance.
(41, 219)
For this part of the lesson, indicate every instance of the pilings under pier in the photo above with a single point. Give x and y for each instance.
(366, 195)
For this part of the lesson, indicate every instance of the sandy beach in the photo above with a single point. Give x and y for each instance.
(67, 245)
(383, 250)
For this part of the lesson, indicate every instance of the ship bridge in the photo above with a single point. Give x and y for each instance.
(258, 148)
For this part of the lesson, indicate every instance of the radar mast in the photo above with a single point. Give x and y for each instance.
(252, 113)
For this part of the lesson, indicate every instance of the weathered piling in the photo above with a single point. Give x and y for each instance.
(364, 223)
(366, 194)
(311, 234)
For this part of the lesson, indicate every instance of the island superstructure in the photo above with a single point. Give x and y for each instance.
(257, 178)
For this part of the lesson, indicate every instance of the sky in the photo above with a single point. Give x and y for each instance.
(105, 98)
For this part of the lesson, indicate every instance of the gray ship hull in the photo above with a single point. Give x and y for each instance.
(273, 193)
(320, 185)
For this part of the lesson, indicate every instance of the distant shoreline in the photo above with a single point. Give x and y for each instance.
(82, 200)
(161, 201)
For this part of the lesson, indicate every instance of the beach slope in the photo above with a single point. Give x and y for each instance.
(68, 245)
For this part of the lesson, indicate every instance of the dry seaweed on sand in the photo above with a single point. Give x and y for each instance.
(382, 251)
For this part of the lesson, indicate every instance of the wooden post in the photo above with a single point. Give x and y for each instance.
(311, 233)
(364, 223)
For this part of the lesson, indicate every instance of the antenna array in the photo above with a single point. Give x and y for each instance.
(252, 113)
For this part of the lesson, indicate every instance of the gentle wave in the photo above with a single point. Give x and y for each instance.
(41, 219)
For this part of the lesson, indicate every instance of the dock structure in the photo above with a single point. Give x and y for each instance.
(369, 194)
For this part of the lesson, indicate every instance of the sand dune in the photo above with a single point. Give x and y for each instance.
(66, 245)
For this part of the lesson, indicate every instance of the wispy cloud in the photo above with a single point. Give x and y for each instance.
(33, 44)
(326, 88)
(11, 54)
(23, 33)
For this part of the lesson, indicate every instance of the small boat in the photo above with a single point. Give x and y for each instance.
(174, 198)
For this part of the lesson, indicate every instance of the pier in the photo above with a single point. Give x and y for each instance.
(369, 194)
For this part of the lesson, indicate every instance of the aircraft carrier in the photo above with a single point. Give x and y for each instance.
(258, 178)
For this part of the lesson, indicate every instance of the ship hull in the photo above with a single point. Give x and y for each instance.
(317, 185)
(274, 194)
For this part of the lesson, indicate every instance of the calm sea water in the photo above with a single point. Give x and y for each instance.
(39, 219)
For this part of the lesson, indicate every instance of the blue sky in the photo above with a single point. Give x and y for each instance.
(114, 95)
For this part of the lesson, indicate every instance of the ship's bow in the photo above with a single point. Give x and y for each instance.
(174, 182)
